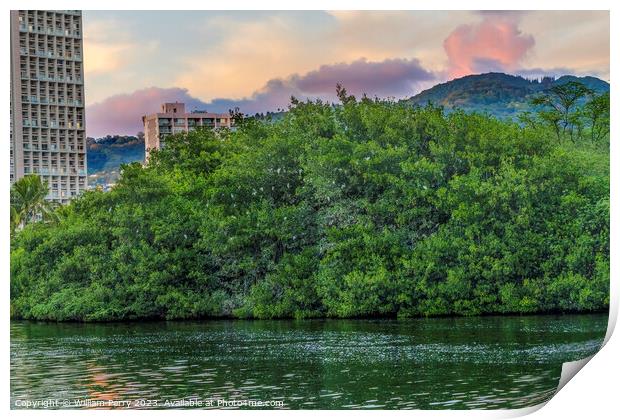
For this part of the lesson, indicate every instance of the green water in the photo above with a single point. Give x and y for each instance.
(458, 363)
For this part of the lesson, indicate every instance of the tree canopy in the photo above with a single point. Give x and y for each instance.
(366, 208)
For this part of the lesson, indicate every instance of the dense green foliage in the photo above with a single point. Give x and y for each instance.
(369, 208)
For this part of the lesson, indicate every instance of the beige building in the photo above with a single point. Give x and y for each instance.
(47, 100)
(173, 119)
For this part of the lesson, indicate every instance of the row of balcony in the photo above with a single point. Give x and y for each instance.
(53, 124)
(176, 129)
(56, 171)
(208, 123)
(50, 54)
(74, 33)
(49, 12)
(45, 101)
(53, 148)
(56, 196)
(47, 78)
(190, 121)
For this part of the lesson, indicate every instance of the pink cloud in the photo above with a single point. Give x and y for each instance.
(391, 77)
(121, 114)
(495, 44)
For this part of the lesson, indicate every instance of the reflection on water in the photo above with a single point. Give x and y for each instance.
(485, 362)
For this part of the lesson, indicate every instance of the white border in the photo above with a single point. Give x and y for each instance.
(592, 394)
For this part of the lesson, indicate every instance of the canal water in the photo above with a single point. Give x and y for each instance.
(440, 363)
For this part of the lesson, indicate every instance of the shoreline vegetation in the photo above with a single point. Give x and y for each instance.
(368, 208)
(369, 318)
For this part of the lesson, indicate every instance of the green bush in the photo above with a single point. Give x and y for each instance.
(368, 208)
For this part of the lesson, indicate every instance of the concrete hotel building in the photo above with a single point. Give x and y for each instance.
(173, 119)
(47, 100)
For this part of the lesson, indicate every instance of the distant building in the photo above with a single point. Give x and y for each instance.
(173, 119)
(47, 100)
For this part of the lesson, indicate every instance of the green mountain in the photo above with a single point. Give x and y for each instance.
(498, 94)
(105, 155)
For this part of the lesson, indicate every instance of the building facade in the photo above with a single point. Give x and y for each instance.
(47, 100)
(174, 119)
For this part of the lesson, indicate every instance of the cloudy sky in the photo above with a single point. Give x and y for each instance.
(135, 60)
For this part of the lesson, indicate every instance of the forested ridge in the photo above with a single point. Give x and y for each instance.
(105, 155)
(501, 95)
(366, 208)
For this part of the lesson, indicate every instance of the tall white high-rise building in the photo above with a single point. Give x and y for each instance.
(47, 100)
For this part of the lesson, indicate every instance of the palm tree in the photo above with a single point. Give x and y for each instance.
(28, 202)
(15, 220)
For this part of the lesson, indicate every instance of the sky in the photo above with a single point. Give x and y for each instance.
(216, 60)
